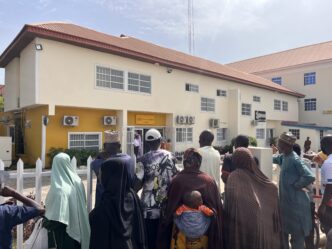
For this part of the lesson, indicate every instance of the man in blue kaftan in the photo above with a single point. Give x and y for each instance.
(294, 199)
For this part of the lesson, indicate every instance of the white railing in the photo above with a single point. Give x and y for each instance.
(38, 174)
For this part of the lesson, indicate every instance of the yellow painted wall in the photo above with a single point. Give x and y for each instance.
(159, 119)
(32, 134)
(3, 128)
(90, 120)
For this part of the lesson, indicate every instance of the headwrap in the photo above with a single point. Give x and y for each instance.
(66, 201)
(192, 157)
(251, 206)
(119, 210)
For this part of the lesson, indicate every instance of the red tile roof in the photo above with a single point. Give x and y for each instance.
(285, 59)
(133, 48)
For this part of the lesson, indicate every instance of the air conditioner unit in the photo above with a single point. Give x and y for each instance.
(214, 123)
(180, 119)
(191, 120)
(109, 120)
(70, 120)
(254, 122)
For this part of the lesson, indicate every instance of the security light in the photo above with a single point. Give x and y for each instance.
(38, 47)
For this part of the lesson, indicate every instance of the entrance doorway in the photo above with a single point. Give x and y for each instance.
(141, 131)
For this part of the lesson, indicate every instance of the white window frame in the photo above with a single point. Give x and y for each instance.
(187, 134)
(191, 88)
(260, 133)
(310, 104)
(244, 109)
(309, 78)
(295, 132)
(208, 107)
(221, 135)
(284, 106)
(140, 81)
(256, 99)
(85, 133)
(276, 103)
(110, 78)
(221, 93)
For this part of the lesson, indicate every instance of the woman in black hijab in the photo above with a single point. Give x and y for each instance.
(117, 222)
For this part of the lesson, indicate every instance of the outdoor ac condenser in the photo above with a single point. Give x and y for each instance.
(109, 120)
(6, 150)
(70, 120)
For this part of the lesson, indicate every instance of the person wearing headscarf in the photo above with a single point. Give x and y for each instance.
(112, 148)
(251, 206)
(117, 222)
(66, 213)
(294, 199)
(191, 178)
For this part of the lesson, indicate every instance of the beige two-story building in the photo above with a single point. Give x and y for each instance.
(306, 70)
(66, 84)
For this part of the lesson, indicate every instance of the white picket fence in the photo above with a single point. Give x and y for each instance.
(38, 174)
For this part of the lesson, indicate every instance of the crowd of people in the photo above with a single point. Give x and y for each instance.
(180, 209)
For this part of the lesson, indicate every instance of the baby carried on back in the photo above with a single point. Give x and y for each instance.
(193, 218)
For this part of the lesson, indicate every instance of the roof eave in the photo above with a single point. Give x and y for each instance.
(29, 32)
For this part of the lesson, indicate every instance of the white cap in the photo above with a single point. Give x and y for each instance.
(111, 137)
(152, 135)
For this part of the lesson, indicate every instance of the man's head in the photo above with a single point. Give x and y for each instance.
(241, 141)
(192, 159)
(286, 142)
(326, 144)
(193, 199)
(153, 139)
(112, 143)
(206, 138)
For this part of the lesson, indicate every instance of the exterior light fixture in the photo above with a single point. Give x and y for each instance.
(38, 47)
(169, 70)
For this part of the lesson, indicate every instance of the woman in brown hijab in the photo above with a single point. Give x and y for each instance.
(251, 207)
(191, 178)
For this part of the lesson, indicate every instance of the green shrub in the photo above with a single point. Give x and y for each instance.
(252, 141)
(80, 155)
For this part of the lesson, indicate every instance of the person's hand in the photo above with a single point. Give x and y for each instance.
(274, 149)
(7, 192)
(317, 159)
(321, 211)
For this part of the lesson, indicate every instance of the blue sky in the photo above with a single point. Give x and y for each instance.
(225, 30)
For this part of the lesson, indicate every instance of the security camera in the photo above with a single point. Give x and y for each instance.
(169, 70)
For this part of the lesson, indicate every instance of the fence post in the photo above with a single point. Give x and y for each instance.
(39, 182)
(19, 184)
(89, 184)
(2, 167)
(74, 163)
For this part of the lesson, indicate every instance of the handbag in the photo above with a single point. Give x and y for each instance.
(38, 238)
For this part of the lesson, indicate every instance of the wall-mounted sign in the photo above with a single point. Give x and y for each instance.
(145, 119)
(260, 116)
(327, 112)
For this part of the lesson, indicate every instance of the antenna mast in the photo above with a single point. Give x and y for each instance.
(191, 33)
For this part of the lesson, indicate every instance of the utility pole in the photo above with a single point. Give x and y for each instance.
(191, 30)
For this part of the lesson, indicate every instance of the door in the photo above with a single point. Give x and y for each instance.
(269, 136)
(130, 140)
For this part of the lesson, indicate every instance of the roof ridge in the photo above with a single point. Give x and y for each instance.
(280, 52)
